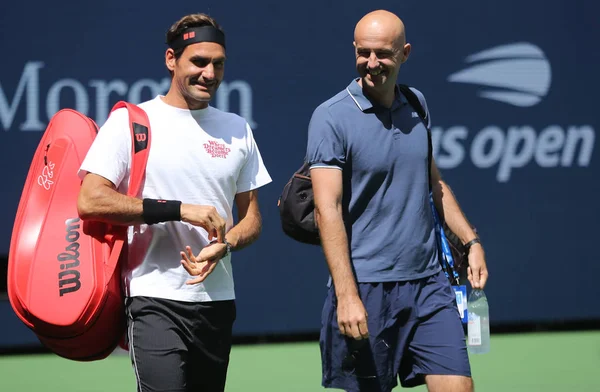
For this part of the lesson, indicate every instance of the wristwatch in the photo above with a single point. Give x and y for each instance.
(469, 244)
(228, 247)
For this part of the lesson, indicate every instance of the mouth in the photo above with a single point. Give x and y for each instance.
(201, 85)
(375, 72)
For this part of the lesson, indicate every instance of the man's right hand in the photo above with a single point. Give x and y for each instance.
(206, 217)
(352, 317)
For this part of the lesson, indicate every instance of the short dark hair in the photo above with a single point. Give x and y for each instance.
(186, 22)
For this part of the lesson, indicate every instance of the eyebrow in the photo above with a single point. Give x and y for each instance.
(205, 58)
(384, 51)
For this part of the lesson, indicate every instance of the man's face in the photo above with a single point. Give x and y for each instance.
(378, 58)
(198, 72)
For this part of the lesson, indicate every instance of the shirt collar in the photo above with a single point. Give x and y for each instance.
(364, 103)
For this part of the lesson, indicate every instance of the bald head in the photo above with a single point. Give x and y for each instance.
(381, 25)
(381, 48)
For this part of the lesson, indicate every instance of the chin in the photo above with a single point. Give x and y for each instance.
(205, 97)
(373, 84)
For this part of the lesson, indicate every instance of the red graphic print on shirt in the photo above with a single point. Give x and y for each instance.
(216, 150)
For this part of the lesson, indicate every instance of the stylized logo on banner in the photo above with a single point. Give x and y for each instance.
(518, 74)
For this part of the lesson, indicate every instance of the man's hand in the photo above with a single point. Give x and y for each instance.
(202, 265)
(477, 272)
(206, 217)
(352, 317)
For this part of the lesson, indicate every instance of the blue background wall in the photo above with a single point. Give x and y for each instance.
(525, 173)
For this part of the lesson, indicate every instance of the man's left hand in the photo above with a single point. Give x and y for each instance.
(477, 272)
(202, 265)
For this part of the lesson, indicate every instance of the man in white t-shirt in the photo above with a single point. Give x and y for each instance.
(178, 282)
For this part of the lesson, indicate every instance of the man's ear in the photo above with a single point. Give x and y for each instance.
(170, 59)
(406, 52)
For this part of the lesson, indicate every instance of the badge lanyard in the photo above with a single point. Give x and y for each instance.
(448, 265)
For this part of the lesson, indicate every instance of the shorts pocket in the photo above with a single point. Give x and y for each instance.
(359, 360)
(369, 361)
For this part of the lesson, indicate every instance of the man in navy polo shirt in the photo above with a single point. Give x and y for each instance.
(390, 312)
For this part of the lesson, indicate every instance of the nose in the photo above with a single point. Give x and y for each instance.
(208, 73)
(373, 62)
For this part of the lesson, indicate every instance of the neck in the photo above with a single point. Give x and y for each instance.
(382, 95)
(174, 98)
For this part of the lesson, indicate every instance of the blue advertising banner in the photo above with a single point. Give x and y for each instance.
(510, 85)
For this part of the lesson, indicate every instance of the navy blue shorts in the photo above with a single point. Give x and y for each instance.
(414, 330)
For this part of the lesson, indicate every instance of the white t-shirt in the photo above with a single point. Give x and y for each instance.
(200, 157)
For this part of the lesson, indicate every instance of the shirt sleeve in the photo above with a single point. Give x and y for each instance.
(326, 145)
(110, 153)
(254, 173)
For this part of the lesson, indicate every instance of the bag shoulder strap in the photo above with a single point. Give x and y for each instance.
(414, 101)
(139, 125)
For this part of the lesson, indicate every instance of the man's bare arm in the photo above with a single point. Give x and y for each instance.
(99, 200)
(249, 226)
(241, 235)
(327, 188)
(447, 206)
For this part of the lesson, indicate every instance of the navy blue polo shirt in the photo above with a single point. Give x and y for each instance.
(383, 155)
